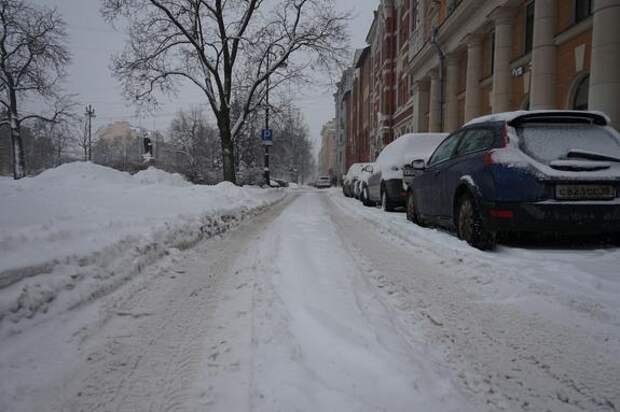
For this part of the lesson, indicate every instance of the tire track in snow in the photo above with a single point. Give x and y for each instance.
(510, 357)
(324, 341)
(165, 345)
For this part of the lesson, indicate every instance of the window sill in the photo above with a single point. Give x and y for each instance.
(574, 30)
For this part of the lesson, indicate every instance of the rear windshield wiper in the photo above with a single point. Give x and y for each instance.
(584, 154)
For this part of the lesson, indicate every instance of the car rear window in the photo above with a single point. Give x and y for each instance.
(547, 143)
(476, 140)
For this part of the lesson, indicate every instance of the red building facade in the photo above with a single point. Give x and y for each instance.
(380, 100)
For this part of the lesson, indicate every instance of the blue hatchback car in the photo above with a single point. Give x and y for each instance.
(538, 171)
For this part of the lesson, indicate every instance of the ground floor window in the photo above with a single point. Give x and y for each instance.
(583, 10)
(582, 90)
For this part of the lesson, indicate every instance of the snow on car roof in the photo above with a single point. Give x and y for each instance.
(418, 145)
(508, 116)
(356, 168)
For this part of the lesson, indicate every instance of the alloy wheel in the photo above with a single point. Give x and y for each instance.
(466, 220)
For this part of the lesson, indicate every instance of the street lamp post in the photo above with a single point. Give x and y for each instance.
(90, 113)
(265, 143)
(267, 133)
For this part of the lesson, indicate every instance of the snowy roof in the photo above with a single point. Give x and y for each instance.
(509, 116)
(409, 147)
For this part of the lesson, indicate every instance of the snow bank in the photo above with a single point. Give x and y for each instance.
(77, 231)
(581, 279)
(153, 176)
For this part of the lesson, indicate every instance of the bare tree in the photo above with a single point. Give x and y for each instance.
(81, 139)
(224, 47)
(32, 61)
(59, 134)
(192, 138)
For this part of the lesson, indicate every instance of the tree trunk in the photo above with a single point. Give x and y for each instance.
(19, 165)
(228, 149)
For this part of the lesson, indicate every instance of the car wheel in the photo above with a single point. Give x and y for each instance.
(470, 228)
(412, 214)
(364, 197)
(386, 205)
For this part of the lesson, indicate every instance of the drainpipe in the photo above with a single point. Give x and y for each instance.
(442, 58)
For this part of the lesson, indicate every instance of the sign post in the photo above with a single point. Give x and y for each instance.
(267, 137)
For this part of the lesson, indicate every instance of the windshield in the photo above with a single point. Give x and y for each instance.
(547, 143)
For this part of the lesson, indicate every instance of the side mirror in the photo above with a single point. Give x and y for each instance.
(367, 169)
(418, 164)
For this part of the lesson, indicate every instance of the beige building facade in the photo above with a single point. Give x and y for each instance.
(433, 65)
(474, 57)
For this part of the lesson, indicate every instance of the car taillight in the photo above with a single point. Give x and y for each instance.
(501, 214)
(488, 158)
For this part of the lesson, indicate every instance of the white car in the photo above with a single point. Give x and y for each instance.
(323, 182)
(362, 181)
(350, 180)
(385, 185)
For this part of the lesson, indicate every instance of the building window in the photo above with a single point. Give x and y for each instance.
(491, 52)
(529, 27)
(583, 10)
(580, 101)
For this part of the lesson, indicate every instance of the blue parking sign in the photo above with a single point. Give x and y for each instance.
(267, 136)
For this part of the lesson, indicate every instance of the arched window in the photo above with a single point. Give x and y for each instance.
(580, 97)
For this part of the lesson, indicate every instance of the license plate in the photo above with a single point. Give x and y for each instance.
(585, 192)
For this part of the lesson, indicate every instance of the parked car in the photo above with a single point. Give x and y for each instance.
(539, 171)
(385, 184)
(281, 182)
(360, 190)
(351, 178)
(323, 182)
(363, 180)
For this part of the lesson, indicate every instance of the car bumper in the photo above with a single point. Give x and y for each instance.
(552, 216)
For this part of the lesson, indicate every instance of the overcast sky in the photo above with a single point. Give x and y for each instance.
(92, 41)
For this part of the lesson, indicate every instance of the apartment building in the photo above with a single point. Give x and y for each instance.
(327, 153)
(436, 64)
(472, 58)
(342, 101)
(358, 146)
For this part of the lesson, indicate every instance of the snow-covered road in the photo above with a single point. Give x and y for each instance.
(321, 304)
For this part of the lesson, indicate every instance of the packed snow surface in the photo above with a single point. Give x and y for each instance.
(322, 304)
(85, 227)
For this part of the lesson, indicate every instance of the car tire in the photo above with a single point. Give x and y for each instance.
(469, 225)
(412, 213)
(364, 197)
(386, 205)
